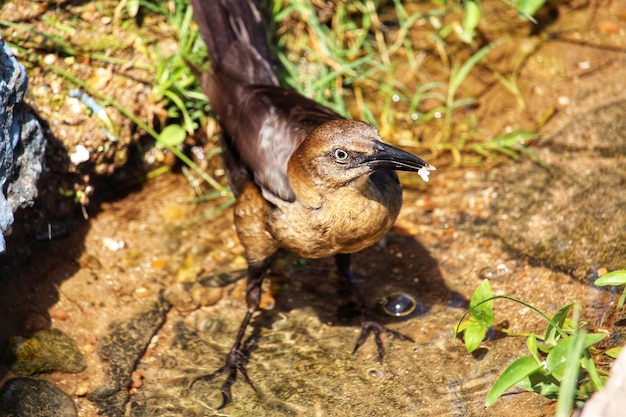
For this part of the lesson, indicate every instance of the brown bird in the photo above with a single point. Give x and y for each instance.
(306, 179)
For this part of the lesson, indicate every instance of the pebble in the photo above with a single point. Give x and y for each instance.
(608, 27)
(80, 155)
(206, 296)
(50, 59)
(47, 350)
(32, 397)
(136, 379)
(159, 263)
(112, 244)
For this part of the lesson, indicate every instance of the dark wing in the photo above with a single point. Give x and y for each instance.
(262, 123)
(266, 127)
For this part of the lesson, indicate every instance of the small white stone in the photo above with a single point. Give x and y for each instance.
(80, 155)
(112, 244)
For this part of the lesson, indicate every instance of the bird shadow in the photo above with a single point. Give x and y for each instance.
(398, 265)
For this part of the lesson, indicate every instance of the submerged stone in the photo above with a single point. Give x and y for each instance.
(31, 397)
(46, 351)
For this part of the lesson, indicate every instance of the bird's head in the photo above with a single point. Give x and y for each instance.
(343, 153)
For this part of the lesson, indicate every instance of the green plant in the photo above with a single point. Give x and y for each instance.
(615, 278)
(355, 50)
(175, 85)
(351, 51)
(559, 366)
(511, 144)
(472, 15)
(481, 317)
(174, 89)
(358, 55)
(526, 9)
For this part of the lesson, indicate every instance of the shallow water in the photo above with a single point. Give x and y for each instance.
(136, 286)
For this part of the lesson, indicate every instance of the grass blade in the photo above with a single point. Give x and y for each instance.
(514, 373)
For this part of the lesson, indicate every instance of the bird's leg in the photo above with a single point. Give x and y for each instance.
(239, 354)
(370, 324)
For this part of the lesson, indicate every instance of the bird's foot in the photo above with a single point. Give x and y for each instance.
(370, 326)
(236, 360)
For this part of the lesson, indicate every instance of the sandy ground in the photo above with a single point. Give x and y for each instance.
(147, 288)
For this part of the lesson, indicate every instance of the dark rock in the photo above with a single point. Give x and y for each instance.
(21, 143)
(46, 351)
(31, 397)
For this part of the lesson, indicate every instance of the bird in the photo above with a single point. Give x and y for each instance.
(305, 179)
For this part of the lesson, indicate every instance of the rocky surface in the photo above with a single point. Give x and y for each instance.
(22, 143)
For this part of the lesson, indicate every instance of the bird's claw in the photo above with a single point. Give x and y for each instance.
(372, 326)
(236, 360)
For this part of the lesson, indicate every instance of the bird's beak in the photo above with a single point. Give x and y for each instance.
(390, 157)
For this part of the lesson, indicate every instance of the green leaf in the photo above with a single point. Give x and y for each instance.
(172, 135)
(463, 325)
(613, 352)
(556, 361)
(481, 304)
(612, 278)
(528, 8)
(552, 333)
(474, 334)
(567, 392)
(459, 74)
(132, 6)
(514, 373)
(482, 317)
(471, 17)
(541, 383)
(66, 193)
(587, 363)
(548, 388)
(531, 342)
(622, 298)
(516, 137)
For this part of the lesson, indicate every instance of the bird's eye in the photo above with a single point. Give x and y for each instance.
(341, 155)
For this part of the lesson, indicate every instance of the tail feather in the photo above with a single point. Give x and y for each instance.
(236, 39)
